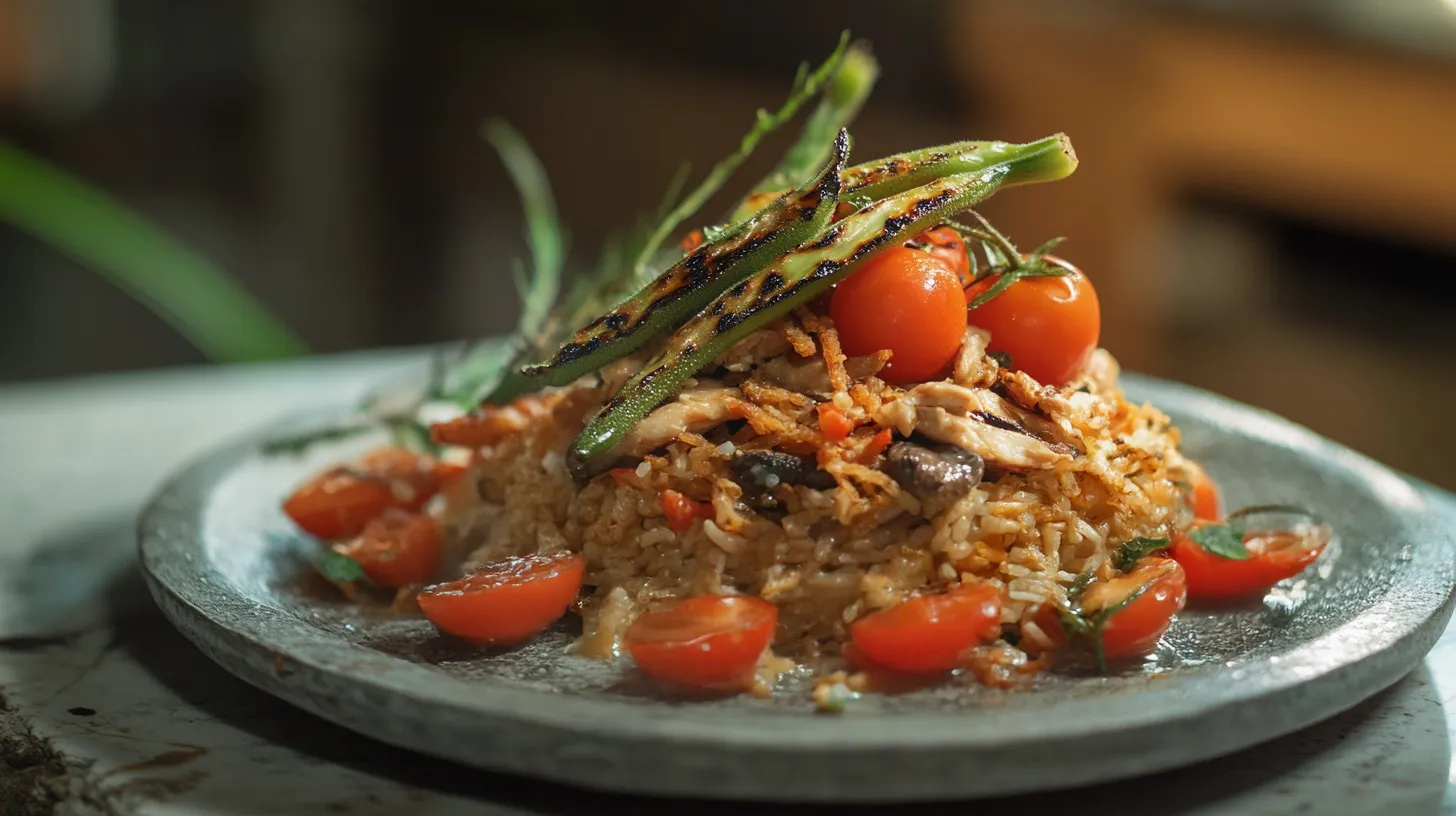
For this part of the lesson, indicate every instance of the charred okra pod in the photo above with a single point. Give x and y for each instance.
(892, 175)
(692, 282)
(799, 276)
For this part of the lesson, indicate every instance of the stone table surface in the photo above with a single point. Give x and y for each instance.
(105, 709)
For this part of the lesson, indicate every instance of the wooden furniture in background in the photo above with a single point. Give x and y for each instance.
(1159, 106)
(1166, 108)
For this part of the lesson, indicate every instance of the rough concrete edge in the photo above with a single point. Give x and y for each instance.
(37, 780)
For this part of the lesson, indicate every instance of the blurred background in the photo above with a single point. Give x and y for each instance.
(1266, 202)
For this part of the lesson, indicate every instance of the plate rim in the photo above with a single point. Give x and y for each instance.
(170, 515)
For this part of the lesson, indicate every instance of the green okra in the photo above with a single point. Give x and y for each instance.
(892, 175)
(692, 282)
(800, 275)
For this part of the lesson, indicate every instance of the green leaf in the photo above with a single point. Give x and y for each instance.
(340, 568)
(544, 232)
(1079, 585)
(1222, 540)
(1136, 550)
(188, 292)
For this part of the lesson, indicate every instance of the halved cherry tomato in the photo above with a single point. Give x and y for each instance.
(907, 301)
(339, 502)
(397, 549)
(682, 511)
(946, 244)
(833, 423)
(706, 642)
(1135, 628)
(1204, 501)
(507, 602)
(1049, 325)
(1274, 556)
(929, 633)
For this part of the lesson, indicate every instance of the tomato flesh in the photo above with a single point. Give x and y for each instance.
(1048, 325)
(1205, 501)
(339, 502)
(929, 633)
(397, 549)
(946, 244)
(508, 602)
(682, 511)
(706, 642)
(1274, 556)
(1136, 628)
(907, 301)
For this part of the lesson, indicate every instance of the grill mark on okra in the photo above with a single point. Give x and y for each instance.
(635, 322)
(771, 282)
(829, 238)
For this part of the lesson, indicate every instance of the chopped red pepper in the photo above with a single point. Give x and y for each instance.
(833, 423)
(682, 511)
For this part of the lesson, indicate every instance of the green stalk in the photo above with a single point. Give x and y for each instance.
(806, 85)
(188, 292)
(843, 97)
(798, 277)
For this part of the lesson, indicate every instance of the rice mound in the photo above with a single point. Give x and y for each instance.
(827, 556)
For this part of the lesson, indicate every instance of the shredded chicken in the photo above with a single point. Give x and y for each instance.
(764, 344)
(696, 411)
(811, 376)
(973, 368)
(1009, 449)
(1003, 434)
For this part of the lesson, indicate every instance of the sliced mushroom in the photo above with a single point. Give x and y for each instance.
(939, 477)
(758, 472)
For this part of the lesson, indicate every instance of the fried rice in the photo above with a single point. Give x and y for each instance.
(1070, 473)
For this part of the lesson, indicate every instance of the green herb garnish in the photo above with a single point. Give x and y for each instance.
(1127, 556)
(1222, 540)
(340, 568)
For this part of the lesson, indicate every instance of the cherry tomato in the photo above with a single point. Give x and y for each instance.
(397, 548)
(1274, 556)
(507, 602)
(946, 244)
(1049, 325)
(682, 511)
(907, 301)
(706, 642)
(339, 502)
(1135, 628)
(1204, 501)
(929, 633)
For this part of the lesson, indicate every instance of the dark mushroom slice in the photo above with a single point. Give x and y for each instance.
(758, 472)
(939, 477)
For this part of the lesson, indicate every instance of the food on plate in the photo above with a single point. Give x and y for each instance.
(849, 428)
